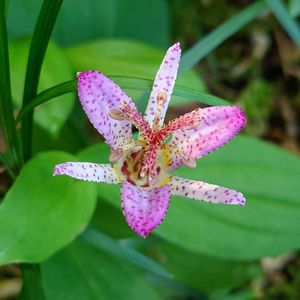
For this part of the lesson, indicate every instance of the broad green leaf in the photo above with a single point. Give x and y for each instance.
(125, 58)
(194, 269)
(81, 271)
(105, 212)
(123, 251)
(268, 177)
(41, 213)
(147, 21)
(32, 286)
(56, 69)
(203, 272)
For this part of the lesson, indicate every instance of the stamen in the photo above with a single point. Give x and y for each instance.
(161, 100)
(185, 160)
(116, 154)
(126, 112)
(187, 121)
(188, 162)
(134, 144)
(192, 125)
(137, 120)
(149, 161)
(117, 115)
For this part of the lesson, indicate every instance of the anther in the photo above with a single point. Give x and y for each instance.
(192, 125)
(188, 162)
(116, 154)
(117, 115)
(161, 98)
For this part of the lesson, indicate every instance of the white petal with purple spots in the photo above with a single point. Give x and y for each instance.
(144, 209)
(98, 96)
(199, 190)
(87, 171)
(163, 83)
(218, 126)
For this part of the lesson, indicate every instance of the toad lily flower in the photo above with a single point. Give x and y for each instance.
(143, 166)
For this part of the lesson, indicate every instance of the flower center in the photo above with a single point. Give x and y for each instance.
(145, 162)
(130, 166)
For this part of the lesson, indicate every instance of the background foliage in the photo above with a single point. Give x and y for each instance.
(66, 239)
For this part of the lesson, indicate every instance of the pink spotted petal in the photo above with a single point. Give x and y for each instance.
(199, 190)
(164, 83)
(98, 95)
(87, 171)
(144, 209)
(218, 126)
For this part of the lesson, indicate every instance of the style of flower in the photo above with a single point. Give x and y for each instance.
(142, 166)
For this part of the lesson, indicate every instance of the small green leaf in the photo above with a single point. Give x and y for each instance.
(265, 174)
(41, 213)
(56, 69)
(211, 41)
(82, 271)
(38, 47)
(287, 22)
(258, 108)
(7, 121)
(294, 8)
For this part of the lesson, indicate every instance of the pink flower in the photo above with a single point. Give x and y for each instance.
(143, 166)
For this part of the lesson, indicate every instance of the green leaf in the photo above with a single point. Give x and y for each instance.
(56, 69)
(147, 21)
(38, 47)
(82, 271)
(211, 41)
(4, 161)
(180, 93)
(288, 23)
(32, 287)
(199, 271)
(102, 221)
(294, 8)
(124, 252)
(41, 213)
(124, 58)
(268, 177)
(7, 121)
(257, 109)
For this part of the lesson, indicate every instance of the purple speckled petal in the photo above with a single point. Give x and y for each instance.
(98, 95)
(163, 83)
(87, 171)
(199, 190)
(144, 209)
(219, 125)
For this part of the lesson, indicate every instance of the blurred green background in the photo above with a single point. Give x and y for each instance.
(200, 251)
